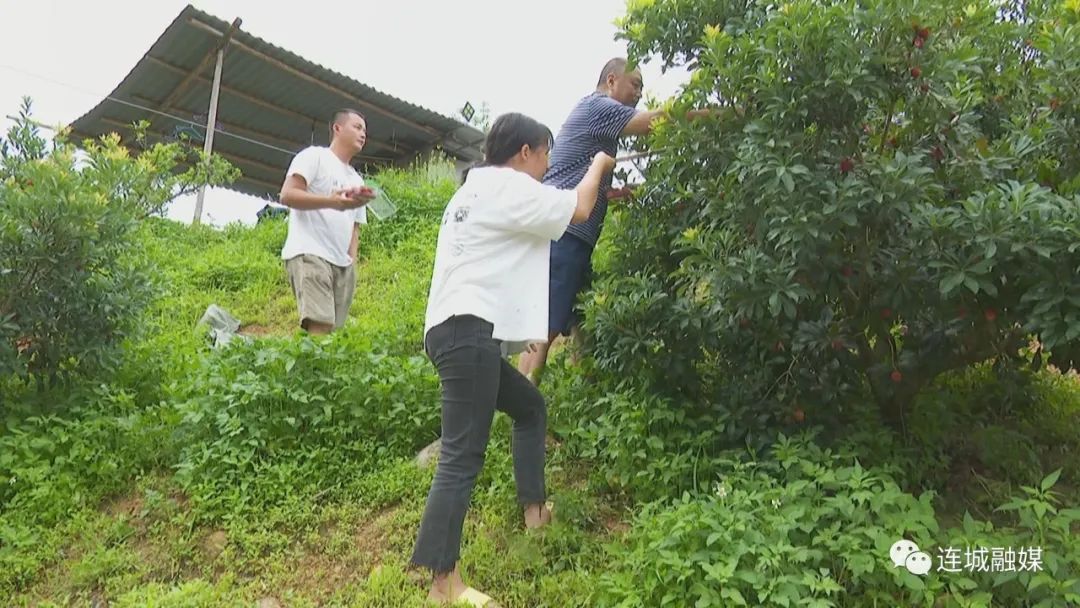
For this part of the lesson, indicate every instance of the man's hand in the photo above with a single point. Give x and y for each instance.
(352, 198)
(614, 194)
(719, 112)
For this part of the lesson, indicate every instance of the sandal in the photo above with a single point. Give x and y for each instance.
(470, 596)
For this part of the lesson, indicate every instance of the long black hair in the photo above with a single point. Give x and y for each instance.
(508, 134)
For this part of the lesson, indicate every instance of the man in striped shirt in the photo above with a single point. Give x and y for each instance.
(595, 125)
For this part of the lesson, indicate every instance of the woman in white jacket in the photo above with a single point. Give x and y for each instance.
(489, 300)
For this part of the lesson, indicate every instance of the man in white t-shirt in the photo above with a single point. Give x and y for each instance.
(326, 197)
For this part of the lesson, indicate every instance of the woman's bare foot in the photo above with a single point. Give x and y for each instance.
(537, 516)
(446, 587)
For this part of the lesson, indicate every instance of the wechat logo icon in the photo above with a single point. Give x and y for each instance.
(905, 553)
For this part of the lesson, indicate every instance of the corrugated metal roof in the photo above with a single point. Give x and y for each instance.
(268, 95)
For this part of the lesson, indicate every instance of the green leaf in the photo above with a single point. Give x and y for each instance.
(970, 525)
(732, 594)
(789, 183)
(912, 582)
(1038, 581)
(951, 282)
(1049, 481)
(965, 583)
(1004, 578)
(971, 284)
(982, 267)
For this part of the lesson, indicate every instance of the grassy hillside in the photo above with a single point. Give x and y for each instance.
(280, 470)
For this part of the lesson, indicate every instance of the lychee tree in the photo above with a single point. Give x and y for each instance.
(897, 195)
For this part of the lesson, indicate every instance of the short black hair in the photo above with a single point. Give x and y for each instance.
(615, 66)
(341, 115)
(508, 134)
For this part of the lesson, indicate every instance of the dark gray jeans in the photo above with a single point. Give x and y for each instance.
(476, 381)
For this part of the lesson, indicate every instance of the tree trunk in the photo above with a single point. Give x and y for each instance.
(895, 400)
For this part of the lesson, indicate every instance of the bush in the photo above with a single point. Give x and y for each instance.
(812, 528)
(71, 285)
(264, 420)
(645, 445)
(893, 193)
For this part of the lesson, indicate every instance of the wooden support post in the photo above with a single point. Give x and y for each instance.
(208, 144)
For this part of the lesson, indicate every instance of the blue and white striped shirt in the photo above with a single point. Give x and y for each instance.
(594, 125)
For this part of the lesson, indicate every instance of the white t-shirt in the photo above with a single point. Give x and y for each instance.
(326, 233)
(493, 256)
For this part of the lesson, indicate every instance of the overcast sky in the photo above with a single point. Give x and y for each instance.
(536, 57)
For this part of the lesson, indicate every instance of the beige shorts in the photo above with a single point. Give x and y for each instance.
(323, 291)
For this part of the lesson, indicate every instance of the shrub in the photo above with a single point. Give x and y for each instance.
(892, 193)
(71, 284)
(263, 420)
(813, 528)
